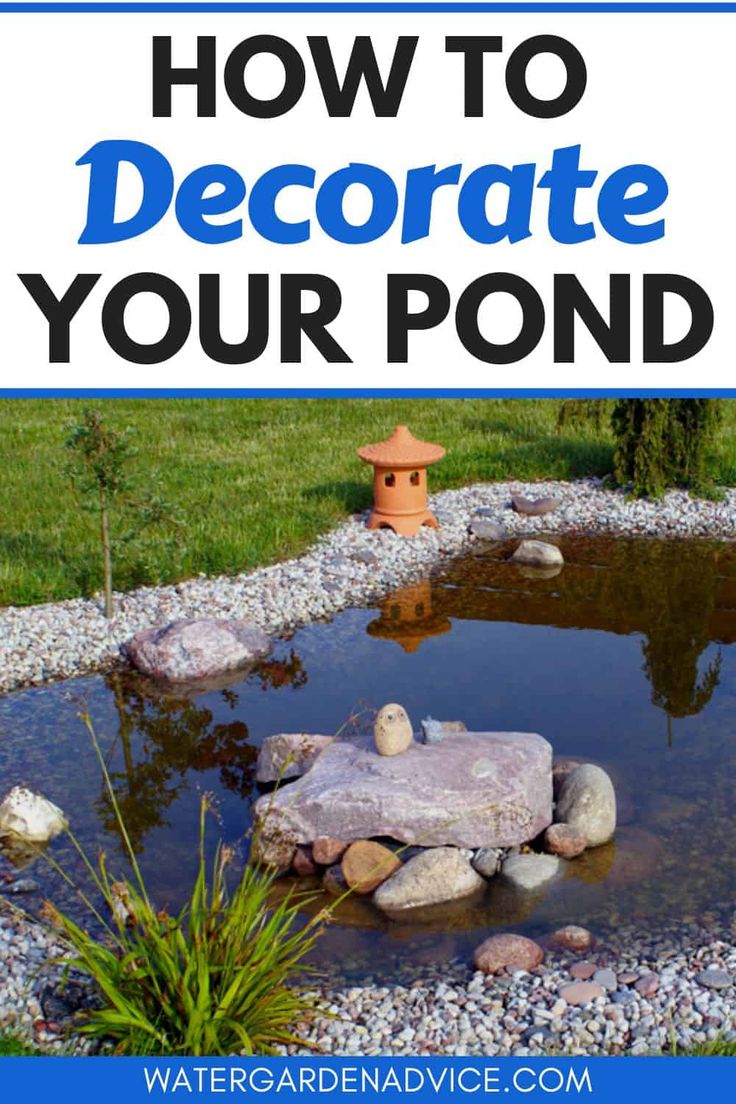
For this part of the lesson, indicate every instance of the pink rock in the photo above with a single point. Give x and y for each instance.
(647, 985)
(289, 755)
(582, 971)
(628, 977)
(189, 651)
(506, 950)
(327, 851)
(564, 840)
(581, 992)
(534, 507)
(302, 863)
(573, 938)
(479, 789)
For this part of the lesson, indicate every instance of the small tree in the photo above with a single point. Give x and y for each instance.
(100, 468)
(663, 443)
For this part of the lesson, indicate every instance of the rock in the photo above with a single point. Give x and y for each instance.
(274, 840)
(587, 802)
(628, 977)
(607, 978)
(303, 864)
(334, 881)
(485, 529)
(327, 851)
(713, 978)
(537, 554)
(193, 650)
(487, 861)
(480, 789)
(288, 755)
(28, 817)
(22, 885)
(647, 985)
(581, 992)
(437, 875)
(530, 871)
(560, 770)
(366, 864)
(582, 971)
(392, 730)
(564, 840)
(507, 951)
(433, 732)
(572, 938)
(534, 507)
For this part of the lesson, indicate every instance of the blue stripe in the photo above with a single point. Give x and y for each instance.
(364, 393)
(373, 6)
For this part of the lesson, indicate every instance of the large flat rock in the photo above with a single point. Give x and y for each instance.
(474, 789)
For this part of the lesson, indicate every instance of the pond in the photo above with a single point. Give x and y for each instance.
(626, 658)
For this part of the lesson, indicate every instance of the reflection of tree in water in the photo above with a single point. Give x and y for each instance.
(670, 590)
(164, 735)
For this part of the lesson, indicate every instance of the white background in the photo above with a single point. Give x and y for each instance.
(660, 90)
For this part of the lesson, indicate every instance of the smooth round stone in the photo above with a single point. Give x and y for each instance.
(365, 865)
(507, 951)
(581, 992)
(564, 840)
(607, 979)
(392, 730)
(587, 801)
(326, 850)
(528, 872)
(537, 553)
(487, 861)
(647, 985)
(714, 978)
(583, 971)
(573, 937)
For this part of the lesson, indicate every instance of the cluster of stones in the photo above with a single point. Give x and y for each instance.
(421, 823)
(566, 993)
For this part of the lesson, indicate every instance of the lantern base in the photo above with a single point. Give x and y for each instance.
(407, 525)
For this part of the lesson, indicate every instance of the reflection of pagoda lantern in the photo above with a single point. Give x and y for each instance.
(400, 482)
(407, 617)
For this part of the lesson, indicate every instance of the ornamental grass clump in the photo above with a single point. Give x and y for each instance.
(218, 978)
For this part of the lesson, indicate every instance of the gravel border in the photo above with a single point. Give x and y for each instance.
(452, 1010)
(347, 567)
(676, 988)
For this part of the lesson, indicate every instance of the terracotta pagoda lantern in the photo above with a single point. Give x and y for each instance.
(400, 482)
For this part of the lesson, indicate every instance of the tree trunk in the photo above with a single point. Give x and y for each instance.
(106, 553)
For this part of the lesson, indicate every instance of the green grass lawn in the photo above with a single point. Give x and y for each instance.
(255, 480)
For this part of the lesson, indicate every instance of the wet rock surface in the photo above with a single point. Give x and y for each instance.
(480, 789)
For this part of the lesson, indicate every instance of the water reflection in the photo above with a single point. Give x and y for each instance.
(671, 593)
(164, 734)
(407, 617)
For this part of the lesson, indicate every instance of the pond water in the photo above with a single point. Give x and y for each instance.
(627, 658)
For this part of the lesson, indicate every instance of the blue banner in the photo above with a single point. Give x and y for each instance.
(370, 1080)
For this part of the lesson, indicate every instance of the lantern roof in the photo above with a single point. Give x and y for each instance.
(401, 450)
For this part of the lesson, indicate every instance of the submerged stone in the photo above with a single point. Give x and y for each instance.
(437, 875)
(479, 789)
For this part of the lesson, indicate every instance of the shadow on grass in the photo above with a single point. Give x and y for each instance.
(351, 495)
